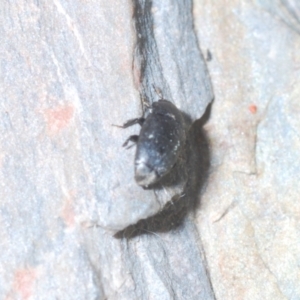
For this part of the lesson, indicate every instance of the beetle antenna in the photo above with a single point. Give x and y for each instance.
(145, 103)
(158, 92)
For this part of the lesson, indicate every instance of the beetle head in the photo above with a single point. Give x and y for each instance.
(144, 174)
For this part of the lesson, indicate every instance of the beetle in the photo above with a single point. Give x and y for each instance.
(159, 143)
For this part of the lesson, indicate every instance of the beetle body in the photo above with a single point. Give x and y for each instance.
(159, 144)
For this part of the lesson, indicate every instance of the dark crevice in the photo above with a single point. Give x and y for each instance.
(146, 56)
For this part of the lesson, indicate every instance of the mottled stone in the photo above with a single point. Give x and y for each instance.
(69, 70)
(249, 217)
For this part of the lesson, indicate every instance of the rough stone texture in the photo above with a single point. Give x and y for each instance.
(69, 70)
(249, 215)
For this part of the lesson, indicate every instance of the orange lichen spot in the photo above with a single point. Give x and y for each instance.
(252, 108)
(23, 282)
(58, 118)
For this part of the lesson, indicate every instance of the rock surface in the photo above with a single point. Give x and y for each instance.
(70, 69)
(249, 215)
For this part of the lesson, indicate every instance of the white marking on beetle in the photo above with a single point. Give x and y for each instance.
(170, 115)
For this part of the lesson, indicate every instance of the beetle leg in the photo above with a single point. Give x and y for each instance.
(132, 122)
(132, 138)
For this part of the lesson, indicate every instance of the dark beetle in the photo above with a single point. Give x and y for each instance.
(160, 141)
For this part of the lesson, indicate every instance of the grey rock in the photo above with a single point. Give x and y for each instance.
(249, 213)
(69, 70)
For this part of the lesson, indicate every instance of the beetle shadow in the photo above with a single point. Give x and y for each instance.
(193, 168)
